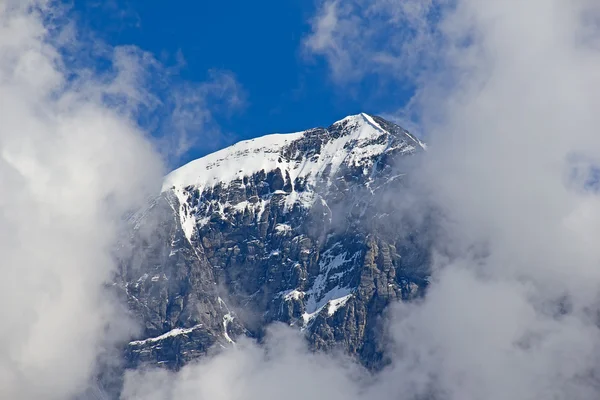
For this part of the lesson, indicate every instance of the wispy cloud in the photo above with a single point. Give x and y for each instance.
(189, 120)
(358, 38)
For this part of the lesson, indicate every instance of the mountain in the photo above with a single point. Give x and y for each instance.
(300, 228)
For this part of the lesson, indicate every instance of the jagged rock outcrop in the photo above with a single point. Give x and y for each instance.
(298, 228)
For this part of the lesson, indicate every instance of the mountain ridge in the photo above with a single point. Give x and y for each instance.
(297, 232)
(189, 173)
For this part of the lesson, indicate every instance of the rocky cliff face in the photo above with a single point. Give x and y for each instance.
(297, 228)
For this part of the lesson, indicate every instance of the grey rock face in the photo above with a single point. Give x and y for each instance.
(171, 289)
(300, 229)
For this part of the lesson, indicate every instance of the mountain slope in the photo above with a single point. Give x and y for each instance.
(298, 228)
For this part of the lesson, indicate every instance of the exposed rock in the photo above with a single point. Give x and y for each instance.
(288, 228)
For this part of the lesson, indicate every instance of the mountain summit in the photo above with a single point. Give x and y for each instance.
(297, 228)
(307, 154)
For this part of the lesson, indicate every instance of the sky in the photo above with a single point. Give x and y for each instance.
(284, 87)
(509, 104)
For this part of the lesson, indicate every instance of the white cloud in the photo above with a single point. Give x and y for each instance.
(73, 161)
(283, 370)
(69, 168)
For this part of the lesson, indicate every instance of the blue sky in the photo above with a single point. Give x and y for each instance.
(260, 43)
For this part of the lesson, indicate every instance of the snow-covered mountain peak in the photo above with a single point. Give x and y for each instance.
(351, 141)
(291, 227)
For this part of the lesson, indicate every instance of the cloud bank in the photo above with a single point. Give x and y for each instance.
(70, 166)
(74, 160)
